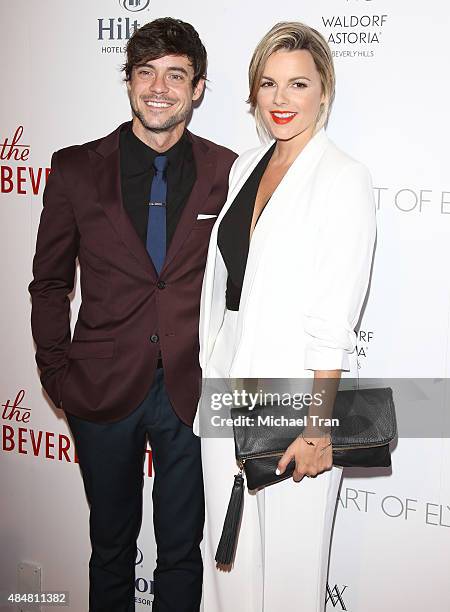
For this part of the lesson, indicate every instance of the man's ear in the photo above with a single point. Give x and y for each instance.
(198, 89)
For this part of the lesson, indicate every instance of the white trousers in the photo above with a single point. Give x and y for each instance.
(282, 555)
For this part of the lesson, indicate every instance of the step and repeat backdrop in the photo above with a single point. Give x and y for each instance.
(62, 85)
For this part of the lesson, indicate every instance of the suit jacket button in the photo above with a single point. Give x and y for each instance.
(161, 284)
(154, 338)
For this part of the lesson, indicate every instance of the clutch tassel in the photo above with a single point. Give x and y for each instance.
(228, 539)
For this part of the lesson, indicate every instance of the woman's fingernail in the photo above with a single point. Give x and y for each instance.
(277, 471)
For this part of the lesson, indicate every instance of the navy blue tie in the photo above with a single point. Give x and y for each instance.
(156, 227)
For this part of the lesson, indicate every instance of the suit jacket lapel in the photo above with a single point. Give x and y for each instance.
(205, 163)
(105, 159)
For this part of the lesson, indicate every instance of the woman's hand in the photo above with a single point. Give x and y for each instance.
(310, 459)
(312, 450)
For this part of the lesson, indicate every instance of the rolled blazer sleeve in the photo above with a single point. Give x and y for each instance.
(54, 273)
(341, 270)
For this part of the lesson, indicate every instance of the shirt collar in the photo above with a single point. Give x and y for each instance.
(139, 157)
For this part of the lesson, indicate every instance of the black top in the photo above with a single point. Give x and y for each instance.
(234, 230)
(136, 173)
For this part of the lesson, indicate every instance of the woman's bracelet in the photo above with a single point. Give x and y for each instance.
(324, 447)
(312, 443)
(307, 441)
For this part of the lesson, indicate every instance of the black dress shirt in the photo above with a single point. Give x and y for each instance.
(234, 230)
(136, 171)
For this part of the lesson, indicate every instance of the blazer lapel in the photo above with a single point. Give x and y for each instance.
(245, 172)
(285, 195)
(212, 302)
(205, 163)
(105, 159)
(274, 215)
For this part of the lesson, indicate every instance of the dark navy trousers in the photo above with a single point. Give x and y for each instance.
(111, 458)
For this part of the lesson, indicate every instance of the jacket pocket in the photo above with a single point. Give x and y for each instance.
(91, 349)
(204, 223)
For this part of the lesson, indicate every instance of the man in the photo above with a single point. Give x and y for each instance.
(136, 208)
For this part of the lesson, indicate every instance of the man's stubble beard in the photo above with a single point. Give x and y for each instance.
(170, 123)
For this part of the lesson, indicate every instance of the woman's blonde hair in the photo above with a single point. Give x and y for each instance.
(291, 36)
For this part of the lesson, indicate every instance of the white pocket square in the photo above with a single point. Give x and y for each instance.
(202, 216)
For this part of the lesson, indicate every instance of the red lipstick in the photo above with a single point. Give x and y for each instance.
(282, 117)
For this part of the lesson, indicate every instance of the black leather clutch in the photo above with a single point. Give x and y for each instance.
(367, 425)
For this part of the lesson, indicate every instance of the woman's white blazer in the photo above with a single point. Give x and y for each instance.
(307, 271)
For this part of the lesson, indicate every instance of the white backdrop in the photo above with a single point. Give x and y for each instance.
(61, 85)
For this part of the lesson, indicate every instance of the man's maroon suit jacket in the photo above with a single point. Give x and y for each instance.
(127, 313)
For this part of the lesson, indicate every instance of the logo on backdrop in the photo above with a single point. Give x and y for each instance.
(18, 436)
(363, 339)
(143, 586)
(335, 597)
(139, 557)
(354, 36)
(134, 5)
(16, 176)
(394, 507)
(413, 200)
(113, 32)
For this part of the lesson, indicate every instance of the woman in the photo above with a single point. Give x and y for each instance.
(287, 273)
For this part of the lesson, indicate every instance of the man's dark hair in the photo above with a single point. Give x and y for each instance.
(166, 36)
